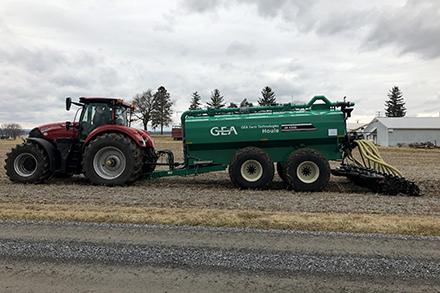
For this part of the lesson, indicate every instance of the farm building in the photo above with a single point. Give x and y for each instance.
(390, 131)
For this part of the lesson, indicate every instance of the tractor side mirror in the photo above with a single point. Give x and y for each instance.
(68, 103)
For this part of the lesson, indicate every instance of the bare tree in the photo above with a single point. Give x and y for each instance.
(11, 130)
(144, 107)
(2, 131)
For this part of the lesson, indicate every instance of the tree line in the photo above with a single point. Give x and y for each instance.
(156, 108)
(394, 106)
(216, 100)
(10, 130)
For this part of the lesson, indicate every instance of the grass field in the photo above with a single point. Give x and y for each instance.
(211, 200)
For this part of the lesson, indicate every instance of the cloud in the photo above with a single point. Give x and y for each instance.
(241, 48)
(60, 48)
(413, 28)
(319, 16)
(410, 28)
(201, 6)
(35, 81)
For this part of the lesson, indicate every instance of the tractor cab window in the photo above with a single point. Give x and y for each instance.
(122, 115)
(94, 115)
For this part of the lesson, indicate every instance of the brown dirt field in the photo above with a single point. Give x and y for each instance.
(214, 191)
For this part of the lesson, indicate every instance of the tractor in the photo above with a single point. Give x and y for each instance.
(101, 145)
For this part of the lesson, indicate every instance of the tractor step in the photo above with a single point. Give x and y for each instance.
(378, 182)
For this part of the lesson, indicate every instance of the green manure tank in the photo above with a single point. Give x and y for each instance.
(299, 138)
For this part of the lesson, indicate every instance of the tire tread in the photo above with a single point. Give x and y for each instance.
(46, 173)
(245, 152)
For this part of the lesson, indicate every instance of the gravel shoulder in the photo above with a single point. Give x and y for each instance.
(30, 276)
(77, 256)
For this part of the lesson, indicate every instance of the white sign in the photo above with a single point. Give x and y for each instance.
(333, 132)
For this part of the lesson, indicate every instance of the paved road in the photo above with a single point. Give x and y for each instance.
(48, 256)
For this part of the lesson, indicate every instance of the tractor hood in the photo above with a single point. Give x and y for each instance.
(52, 131)
(58, 130)
(52, 127)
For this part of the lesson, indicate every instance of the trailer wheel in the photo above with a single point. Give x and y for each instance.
(27, 163)
(112, 159)
(251, 168)
(307, 170)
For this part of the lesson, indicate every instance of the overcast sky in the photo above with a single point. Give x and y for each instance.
(359, 49)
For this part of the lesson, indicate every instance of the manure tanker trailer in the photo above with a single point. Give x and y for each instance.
(296, 140)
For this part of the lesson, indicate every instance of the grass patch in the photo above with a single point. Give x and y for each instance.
(341, 222)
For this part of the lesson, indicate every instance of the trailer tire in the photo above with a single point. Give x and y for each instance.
(27, 163)
(307, 170)
(251, 168)
(123, 155)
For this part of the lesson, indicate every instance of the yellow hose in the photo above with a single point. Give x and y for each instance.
(371, 158)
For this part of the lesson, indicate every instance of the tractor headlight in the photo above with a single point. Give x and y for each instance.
(142, 142)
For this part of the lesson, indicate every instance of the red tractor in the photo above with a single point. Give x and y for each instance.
(101, 145)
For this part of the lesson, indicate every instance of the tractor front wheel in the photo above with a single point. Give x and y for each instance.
(251, 168)
(112, 159)
(307, 170)
(27, 163)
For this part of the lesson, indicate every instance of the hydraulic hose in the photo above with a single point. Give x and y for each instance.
(371, 158)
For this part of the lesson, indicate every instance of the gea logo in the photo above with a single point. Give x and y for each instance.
(224, 130)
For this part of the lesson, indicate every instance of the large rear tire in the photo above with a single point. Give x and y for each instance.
(112, 159)
(307, 170)
(150, 159)
(251, 168)
(27, 163)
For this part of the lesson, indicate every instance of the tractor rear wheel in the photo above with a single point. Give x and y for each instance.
(251, 168)
(150, 159)
(27, 163)
(307, 170)
(112, 159)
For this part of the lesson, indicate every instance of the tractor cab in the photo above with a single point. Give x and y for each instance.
(97, 112)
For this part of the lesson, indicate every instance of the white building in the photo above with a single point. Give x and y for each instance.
(390, 131)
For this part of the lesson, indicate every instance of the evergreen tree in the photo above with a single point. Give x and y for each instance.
(268, 97)
(232, 105)
(245, 103)
(395, 106)
(195, 101)
(161, 114)
(143, 107)
(216, 100)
